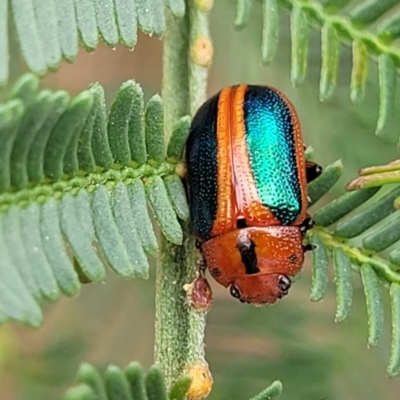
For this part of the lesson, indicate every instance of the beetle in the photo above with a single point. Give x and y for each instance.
(247, 187)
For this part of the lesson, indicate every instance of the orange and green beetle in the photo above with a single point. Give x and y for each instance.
(247, 185)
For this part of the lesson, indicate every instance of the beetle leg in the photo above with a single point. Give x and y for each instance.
(201, 261)
(313, 171)
(309, 247)
(201, 265)
(306, 225)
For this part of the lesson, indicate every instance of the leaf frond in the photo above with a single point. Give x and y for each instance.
(75, 189)
(128, 383)
(50, 32)
(340, 24)
(132, 383)
(353, 230)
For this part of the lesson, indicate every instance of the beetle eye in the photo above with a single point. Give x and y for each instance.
(235, 292)
(284, 283)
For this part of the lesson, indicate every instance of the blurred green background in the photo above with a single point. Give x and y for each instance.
(295, 341)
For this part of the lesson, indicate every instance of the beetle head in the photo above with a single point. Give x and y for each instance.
(260, 289)
(256, 262)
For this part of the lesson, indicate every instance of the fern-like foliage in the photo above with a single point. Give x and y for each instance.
(50, 31)
(132, 384)
(354, 243)
(75, 189)
(340, 22)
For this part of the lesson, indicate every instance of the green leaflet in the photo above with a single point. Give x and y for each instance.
(393, 368)
(383, 237)
(177, 7)
(14, 243)
(155, 386)
(373, 296)
(144, 16)
(54, 248)
(150, 15)
(395, 256)
(137, 196)
(333, 5)
(121, 207)
(10, 115)
(179, 388)
(125, 11)
(387, 90)
(65, 131)
(3, 43)
(319, 281)
(46, 19)
(67, 29)
(155, 131)
(83, 212)
(87, 24)
(178, 139)
(330, 60)
(71, 162)
(273, 391)
(299, 28)
(369, 11)
(135, 376)
(359, 71)
(344, 285)
(117, 385)
(84, 151)
(31, 237)
(108, 235)
(360, 222)
(389, 29)
(25, 89)
(88, 375)
(100, 147)
(342, 206)
(106, 22)
(15, 299)
(136, 127)
(318, 187)
(243, 8)
(35, 159)
(177, 194)
(28, 36)
(79, 236)
(81, 392)
(119, 119)
(158, 17)
(270, 34)
(163, 211)
(373, 180)
(30, 127)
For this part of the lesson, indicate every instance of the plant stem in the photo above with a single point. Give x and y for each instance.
(179, 330)
(175, 91)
